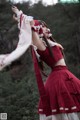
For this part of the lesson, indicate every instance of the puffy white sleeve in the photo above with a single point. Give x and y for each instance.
(25, 40)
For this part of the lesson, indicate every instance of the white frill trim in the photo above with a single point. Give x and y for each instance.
(61, 109)
(63, 116)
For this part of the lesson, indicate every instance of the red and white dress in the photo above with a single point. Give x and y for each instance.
(62, 89)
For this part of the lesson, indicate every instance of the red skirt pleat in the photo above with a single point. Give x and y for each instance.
(63, 92)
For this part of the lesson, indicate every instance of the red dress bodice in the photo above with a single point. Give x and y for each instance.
(47, 58)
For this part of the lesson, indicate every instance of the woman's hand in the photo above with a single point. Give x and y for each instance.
(59, 45)
(15, 18)
(15, 9)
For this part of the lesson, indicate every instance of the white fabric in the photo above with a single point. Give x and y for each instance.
(63, 116)
(25, 40)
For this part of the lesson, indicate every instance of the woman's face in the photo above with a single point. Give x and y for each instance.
(45, 30)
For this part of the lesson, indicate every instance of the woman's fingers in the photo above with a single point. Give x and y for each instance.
(15, 18)
(14, 9)
(60, 46)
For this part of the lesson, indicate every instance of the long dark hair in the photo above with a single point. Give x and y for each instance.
(41, 63)
(51, 38)
(45, 39)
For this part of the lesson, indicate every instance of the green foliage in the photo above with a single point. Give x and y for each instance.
(18, 90)
(19, 98)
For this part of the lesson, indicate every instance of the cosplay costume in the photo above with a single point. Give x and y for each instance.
(62, 87)
(60, 96)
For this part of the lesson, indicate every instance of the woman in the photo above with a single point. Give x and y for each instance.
(60, 99)
(62, 87)
(60, 96)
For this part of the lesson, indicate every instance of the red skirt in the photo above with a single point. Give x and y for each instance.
(63, 92)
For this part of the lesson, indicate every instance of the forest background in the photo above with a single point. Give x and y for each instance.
(18, 89)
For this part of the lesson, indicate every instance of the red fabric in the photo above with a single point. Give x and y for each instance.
(40, 83)
(62, 87)
(63, 90)
(37, 28)
(36, 22)
(49, 60)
